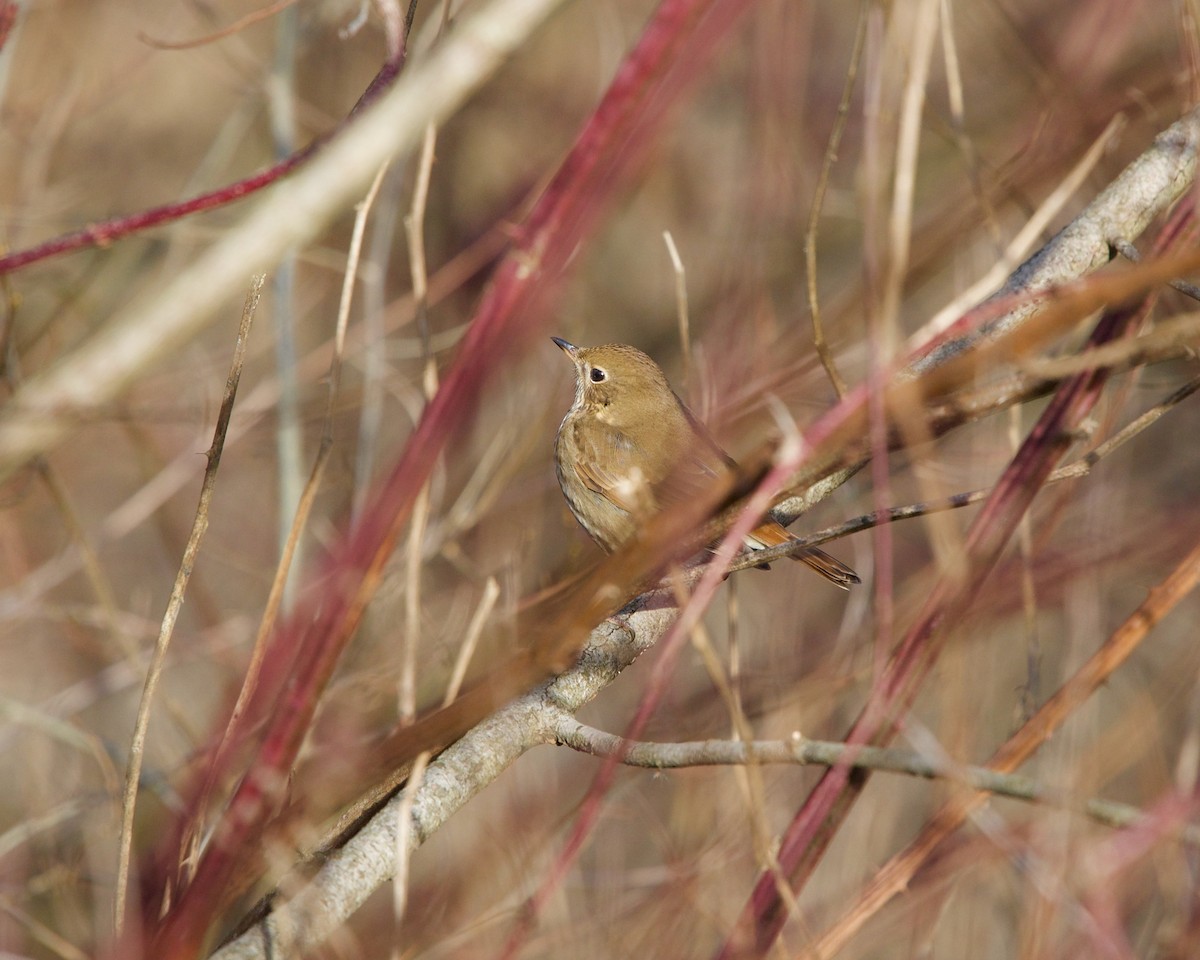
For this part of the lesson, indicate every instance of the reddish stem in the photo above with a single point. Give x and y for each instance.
(106, 232)
(307, 645)
(8, 16)
(1117, 855)
(816, 823)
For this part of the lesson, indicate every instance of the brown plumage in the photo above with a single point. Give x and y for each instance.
(629, 447)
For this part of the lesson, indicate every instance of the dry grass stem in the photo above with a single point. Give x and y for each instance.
(414, 227)
(405, 843)
(896, 874)
(820, 344)
(681, 306)
(1024, 240)
(445, 614)
(137, 744)
(920, 55)
(265, 13)
(43, 411)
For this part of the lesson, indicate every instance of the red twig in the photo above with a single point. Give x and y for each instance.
(827, 806)
(1119, 853)
(107, 232)
(307, 645)
(898, 873)
(8, 16)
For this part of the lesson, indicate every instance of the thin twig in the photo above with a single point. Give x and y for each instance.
(895, 875)
(1168, 340)
(230, 736)
(255, 16)
(1130, 253)
(814, 214)
(1077, 468)
(414, 225)
(175, 603)
(945, 410)
(804, 752)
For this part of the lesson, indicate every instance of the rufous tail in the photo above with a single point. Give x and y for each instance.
(831, 568)
(771, 534)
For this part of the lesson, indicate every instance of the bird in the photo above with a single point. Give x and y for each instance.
(628, 447)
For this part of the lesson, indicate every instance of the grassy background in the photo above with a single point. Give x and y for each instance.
(100, 122)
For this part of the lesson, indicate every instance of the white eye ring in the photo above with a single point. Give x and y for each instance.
(598, 375)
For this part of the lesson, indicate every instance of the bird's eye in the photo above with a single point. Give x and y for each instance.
(598, 375)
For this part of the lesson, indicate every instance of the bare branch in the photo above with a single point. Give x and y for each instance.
(464, 768)
(1142, 191)
(804, 752)
(367, 860)
(42, 413)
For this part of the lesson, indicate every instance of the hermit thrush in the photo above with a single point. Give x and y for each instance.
(629, 447)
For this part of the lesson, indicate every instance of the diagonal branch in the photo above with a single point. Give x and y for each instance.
(43, 412)
(895, 875)
(808, 836)
(458, 775)
(367, 859)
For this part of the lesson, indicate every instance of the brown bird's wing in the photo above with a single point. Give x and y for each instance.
(655, 464)
(607, 465)
(697, 460)
(691, 477)
(772, 534)
(612, 464)
(714, 451)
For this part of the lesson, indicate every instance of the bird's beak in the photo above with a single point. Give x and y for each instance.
(567, 348)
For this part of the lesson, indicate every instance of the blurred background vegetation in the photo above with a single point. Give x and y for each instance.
(100, 120)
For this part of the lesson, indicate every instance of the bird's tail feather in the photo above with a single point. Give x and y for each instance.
(771, 534)
(829, 567)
